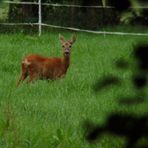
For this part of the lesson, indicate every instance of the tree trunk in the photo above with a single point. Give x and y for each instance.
(29, 10)
(91, 13)
(10, 11)
(73, 10)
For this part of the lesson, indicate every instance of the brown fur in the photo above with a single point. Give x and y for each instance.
(39, 67)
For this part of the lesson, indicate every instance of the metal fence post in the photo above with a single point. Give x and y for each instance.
(40, 17)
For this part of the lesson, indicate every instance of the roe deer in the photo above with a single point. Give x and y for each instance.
(39, 67)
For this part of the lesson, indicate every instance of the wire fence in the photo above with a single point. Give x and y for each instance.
(40, 24)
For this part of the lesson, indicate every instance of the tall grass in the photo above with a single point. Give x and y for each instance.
(52, 114)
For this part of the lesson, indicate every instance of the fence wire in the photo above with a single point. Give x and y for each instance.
(40, 24)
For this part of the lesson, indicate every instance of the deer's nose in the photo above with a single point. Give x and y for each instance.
(66, 51)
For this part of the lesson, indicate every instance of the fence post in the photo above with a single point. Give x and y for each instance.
(40, 17)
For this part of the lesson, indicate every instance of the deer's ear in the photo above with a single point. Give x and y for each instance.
(73, 38)
(61, 38)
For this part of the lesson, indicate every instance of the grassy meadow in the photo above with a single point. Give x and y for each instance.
(52, 114)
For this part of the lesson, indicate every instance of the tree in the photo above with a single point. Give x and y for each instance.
(19, 12)
(86, 18)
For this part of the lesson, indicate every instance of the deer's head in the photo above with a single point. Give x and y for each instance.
(67, 45)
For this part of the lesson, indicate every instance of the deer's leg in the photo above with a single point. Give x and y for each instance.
(22, 78)
(23, 75)
(32, 76)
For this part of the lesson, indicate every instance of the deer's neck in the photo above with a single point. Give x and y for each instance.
(66, 62)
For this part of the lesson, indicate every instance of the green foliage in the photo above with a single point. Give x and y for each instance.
(65, 16)
(76, 17)
(52, 114)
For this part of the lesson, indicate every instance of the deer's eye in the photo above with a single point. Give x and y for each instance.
(70, 46)
(63, 46)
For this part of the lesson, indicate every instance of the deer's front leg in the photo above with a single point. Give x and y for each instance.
(33, 75)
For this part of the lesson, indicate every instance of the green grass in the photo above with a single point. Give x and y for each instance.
(52, 114)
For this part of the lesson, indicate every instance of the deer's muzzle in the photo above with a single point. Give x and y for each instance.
(66, 51)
